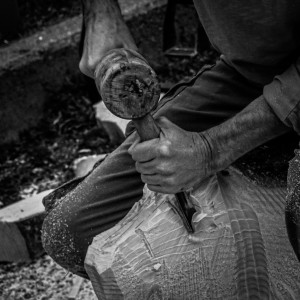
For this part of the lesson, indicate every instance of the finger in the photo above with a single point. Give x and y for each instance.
(153, 167)
(155, 188)
(151, 179)
(159, 189)
(145, 151)
(165, 123)
(135, 142)
(143, 168)
(168, 128)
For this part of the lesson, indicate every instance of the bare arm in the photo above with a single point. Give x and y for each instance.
(104, 30)
(253, 126)
(178, 159)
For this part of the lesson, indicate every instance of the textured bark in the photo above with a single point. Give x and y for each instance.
(240, 248)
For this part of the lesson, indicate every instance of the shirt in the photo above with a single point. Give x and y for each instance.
(261, 40)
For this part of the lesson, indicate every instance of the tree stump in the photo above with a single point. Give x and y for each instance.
(240, 248)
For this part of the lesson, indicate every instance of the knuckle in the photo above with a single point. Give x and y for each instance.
(164, 150)
(171, 182)
(163, 169)
(159, 169)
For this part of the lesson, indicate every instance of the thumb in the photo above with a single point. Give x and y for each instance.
(169, 130)
(164, 123)
(167, 127)
(133, 145)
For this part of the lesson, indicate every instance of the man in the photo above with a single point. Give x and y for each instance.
(250, 96)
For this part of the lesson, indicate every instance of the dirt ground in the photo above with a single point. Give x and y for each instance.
(35, 15)
(43, 158)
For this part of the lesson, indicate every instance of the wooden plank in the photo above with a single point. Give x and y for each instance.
(13, 247)
(24, 209)
(12, 244)
(240, 249)
(83, 165)
(105, 116)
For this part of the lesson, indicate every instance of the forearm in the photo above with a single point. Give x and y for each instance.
(179, 159)
(253, 126)
(104, 30)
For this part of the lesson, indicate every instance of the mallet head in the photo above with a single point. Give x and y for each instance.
(127, 84)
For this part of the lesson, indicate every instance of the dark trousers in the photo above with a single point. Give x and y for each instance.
(80, 210)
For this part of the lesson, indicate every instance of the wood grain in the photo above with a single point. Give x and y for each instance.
(240, 248)
(127, 84)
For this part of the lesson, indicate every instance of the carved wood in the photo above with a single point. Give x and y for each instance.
(239, 250)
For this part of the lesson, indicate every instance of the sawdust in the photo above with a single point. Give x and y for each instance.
(42, 279)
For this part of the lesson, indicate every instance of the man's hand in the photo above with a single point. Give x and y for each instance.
(178, 159)
(175, 161)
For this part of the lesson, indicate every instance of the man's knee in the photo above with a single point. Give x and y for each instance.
(60, 242)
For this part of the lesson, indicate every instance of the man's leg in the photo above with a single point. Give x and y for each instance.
(105, 196)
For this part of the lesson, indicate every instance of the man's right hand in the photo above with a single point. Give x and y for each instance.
(175, 161)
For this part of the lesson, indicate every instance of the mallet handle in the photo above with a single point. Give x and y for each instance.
(130, 90)
(146, 127)
(147, 130)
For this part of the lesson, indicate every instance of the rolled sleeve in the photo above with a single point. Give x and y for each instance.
(283, 95)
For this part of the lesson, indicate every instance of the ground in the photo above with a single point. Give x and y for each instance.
(43, 157)
(35, 15)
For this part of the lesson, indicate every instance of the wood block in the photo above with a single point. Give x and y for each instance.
(12, 244)
(114, 126)
(13, 247)
(240, 249)
(83, 165)
(24, 209)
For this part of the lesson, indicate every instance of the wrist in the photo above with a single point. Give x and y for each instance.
(205, 153)
(251, 127)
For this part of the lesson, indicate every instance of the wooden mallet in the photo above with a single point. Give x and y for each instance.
(129, 88)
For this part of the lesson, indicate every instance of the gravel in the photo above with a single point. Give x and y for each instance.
(40, 280)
